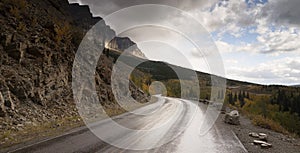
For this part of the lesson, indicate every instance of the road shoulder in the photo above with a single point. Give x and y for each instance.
(280, 142)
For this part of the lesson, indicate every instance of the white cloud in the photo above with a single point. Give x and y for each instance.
(280, 40)
(231, 61)
(224, 47)
(276, 24)
(284, 70)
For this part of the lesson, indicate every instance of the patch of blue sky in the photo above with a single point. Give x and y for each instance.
(220, 3)
(281, 28)
(253, 3)
(247, 36)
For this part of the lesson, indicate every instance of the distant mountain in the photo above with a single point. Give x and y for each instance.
(125, 44)
(296, 85)
(161, 71)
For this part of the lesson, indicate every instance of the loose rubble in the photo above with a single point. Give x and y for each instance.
(262, 139)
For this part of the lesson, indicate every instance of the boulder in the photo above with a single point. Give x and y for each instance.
(263, 144)
(254, 135)
(262, 136)
(266, 145)
(258, 142)
(232, 118)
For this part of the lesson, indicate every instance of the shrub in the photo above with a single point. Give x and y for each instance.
(17, 7)
(20, 4)
(266, 123)
(77, 35)
(63, 32)
(34, 21)
(21, 27)
(14, 12)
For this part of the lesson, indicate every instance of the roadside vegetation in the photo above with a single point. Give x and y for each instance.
(41, 131)
(271, 107)
(278, 110)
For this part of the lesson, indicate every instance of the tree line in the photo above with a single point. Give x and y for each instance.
(288, 101)
(233, 98)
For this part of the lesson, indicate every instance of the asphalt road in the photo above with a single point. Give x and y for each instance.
(171, 125)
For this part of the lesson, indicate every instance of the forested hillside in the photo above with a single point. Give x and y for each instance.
(274, 107)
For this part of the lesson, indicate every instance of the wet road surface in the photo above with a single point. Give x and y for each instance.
(171, 125)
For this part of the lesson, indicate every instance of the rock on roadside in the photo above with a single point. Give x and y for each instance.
(232, 118)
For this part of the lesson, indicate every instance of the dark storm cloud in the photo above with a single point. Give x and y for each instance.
(283, 11)
(105, 7)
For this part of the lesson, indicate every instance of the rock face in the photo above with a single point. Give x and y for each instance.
(232, 118)
(126, 44)
(82, 16)
(39, 40)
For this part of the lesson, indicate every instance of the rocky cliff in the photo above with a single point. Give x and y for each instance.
(125, 44)
(39, 40)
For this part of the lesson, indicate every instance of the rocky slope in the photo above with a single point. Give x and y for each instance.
(39, 40)
(125, 44)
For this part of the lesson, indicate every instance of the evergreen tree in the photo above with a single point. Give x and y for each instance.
(230, 99)
(297, 105)
(248, 96)
(244, 94)
(235, 97)
(293, 106)
(272, 101)
(284, 102)
(242, 102)
(240, 96)
(279, 99)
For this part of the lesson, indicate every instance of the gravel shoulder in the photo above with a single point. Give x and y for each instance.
(280, 143)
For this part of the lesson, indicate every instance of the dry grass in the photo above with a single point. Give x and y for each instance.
(31, 132)
(266, 123)
(63, 32)
(114, 111)
(261, 121)
(21, 27)
(20, 4)
(15, 12)
(51, 128)
(17, 7)
(34, 22)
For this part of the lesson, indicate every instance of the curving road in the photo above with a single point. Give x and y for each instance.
(170, 125)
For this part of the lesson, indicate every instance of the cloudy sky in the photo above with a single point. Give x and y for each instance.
(258, 39)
